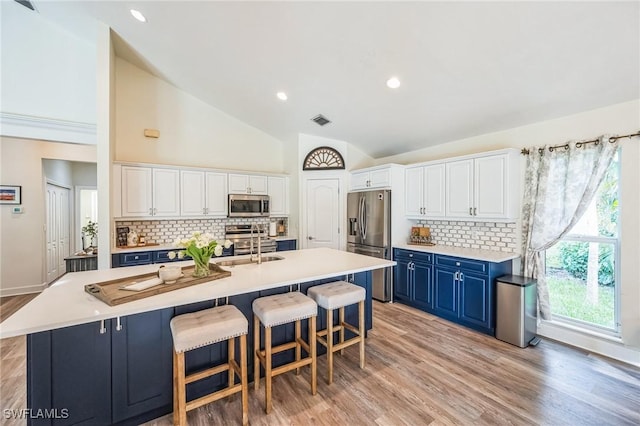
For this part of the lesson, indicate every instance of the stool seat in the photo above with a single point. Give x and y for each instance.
(337, 294)
(284, 308)
(197, 329)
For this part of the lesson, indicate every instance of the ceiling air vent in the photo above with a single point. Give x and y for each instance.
(321, 120)
(26, 3)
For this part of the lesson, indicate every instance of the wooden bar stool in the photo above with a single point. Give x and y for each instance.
(337, 295)
(279, 309)
(197, 329)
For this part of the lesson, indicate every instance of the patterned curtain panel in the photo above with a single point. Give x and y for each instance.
(559, 185)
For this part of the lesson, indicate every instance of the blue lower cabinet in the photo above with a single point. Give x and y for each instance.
(285, 245)
(413, 279)
(69, 375)
(476, 300)
(141, 365)
(446, 293)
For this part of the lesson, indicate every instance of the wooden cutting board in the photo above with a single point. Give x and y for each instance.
(111, 293)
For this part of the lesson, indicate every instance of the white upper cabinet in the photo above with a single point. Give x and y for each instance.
(474, 187)
(203, 193)
(149, 192)
(136, 191)
(484, 187)
(379, 177)
(216, 194)
(247, 184)
(278, 196)
(425, 191)
(459, 184)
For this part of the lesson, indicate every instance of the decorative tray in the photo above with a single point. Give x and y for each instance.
(111, 293)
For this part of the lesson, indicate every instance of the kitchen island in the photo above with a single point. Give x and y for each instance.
(90, 363)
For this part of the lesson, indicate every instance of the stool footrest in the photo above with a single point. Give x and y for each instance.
(291, 366)
(223, 393)
(206, 373)
(351, 328)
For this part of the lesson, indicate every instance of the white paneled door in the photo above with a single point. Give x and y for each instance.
(323, 213)
(58, 235)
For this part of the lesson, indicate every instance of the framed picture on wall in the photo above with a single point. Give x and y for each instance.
(10, 194)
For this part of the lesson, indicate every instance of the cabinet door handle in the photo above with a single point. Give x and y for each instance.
(103, 329)
(456, 276)
(460, 276)
(475, 211)
(150, 211)
(118, 324)
(470, 211)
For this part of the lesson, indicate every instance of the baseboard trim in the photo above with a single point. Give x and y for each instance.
(50, 129)
(602, 346)
(15, 291)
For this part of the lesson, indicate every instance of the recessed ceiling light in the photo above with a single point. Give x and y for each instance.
(393, 83)
(138, 15)
(282, 96)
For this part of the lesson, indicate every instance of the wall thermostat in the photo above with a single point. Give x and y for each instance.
(17, 210)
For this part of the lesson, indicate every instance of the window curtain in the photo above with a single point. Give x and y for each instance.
(559, 185)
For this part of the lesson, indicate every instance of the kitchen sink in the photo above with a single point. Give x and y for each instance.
(247, 261)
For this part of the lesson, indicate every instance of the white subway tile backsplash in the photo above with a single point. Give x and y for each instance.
(494, 236)
(166, 231)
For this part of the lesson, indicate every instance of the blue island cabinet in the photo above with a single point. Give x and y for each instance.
(119, 371)
(101, 374)
(413, 278)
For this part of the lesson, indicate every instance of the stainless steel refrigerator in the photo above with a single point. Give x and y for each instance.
(369, 233)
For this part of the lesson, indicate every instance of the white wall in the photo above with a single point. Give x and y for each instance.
(192, 133)
(58, 171)
(616, 119)
(22, 235)
(84, 174)
(46, 71)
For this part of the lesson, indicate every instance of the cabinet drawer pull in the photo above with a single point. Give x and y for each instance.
(135, 257)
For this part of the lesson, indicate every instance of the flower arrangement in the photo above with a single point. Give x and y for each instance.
(90, 230)
(201, 246)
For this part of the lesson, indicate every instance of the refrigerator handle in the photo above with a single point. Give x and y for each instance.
(364, 218)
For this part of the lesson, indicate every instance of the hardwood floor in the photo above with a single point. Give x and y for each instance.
(421, 370)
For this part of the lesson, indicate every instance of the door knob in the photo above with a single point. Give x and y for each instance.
(310, 238)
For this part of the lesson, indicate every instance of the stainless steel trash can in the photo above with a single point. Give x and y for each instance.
(516, 319)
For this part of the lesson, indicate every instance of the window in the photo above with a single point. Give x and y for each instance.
(583, 267)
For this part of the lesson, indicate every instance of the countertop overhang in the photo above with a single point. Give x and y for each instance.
(65, 303)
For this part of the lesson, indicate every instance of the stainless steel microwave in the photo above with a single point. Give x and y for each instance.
(241, 205)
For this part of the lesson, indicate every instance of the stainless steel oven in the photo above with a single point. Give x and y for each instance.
(241, 205)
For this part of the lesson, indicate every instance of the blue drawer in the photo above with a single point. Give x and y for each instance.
(139, 258)
(162, 256)
(416, 256)
(459, 263)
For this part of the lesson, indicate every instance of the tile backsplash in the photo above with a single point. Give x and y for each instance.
(166, 231)
(493, 236)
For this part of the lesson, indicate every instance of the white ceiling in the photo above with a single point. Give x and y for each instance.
(467, 68)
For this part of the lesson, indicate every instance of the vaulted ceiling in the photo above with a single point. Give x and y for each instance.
(466, 68)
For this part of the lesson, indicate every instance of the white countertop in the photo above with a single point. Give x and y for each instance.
(66, 303)
(485, 255)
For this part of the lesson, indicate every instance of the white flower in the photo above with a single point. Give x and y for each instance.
(218, 250)
(180, 255)
(171, 255)
(227, 244)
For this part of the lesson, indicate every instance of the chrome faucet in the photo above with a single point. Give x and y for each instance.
(257, 226)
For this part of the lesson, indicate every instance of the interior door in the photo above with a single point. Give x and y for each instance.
(323, 213)
(58, 232)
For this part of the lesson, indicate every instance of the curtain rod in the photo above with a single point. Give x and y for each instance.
(612, 139)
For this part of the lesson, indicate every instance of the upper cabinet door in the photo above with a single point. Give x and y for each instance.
(379, 178)
(166, 192)
(247, 184)
(278, 195)
(360, 180)
(414, 181)
(136, 191)
(192, 192)
(491, 183)
(434, 188)
(216, 194)
(459, 184)
(258, 185)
